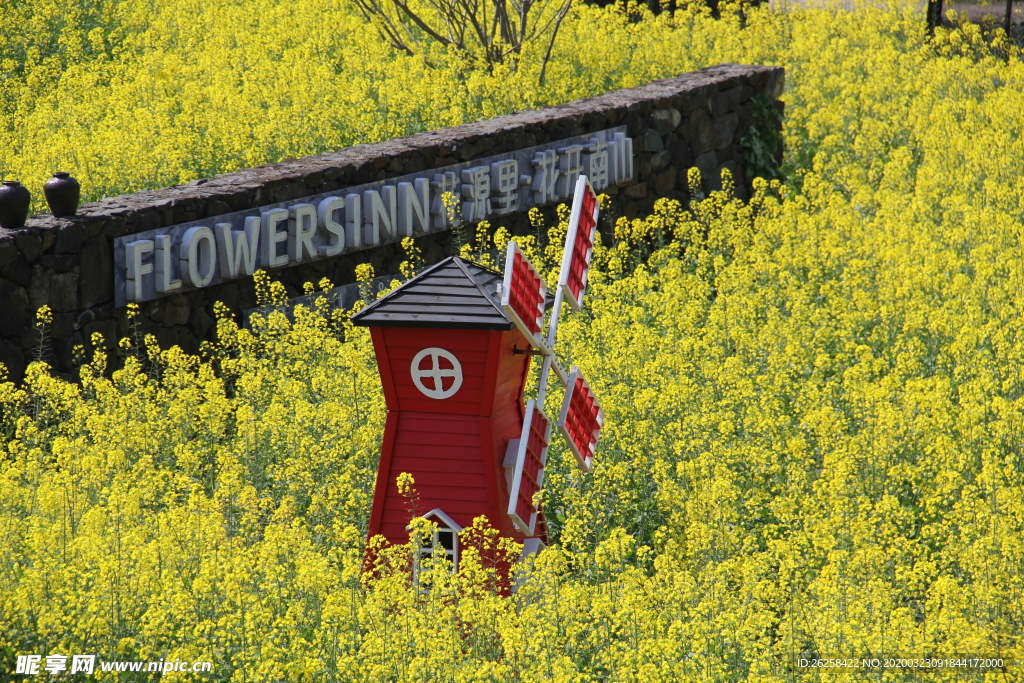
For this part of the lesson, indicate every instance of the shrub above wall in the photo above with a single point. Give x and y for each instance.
(77, 266)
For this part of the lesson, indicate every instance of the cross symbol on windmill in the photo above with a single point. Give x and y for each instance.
(436, 373)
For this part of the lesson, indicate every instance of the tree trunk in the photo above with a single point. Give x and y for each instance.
(934, 16)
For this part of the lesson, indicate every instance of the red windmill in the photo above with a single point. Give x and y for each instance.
(453, 349)
(453, 364)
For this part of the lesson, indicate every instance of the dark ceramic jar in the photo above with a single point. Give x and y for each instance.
(62, 194)
(14, 201)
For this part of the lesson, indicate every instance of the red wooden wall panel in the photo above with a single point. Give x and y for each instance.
(453, 447)
(442, 452)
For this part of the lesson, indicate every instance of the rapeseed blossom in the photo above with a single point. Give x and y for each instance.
(815, 399)
(811, 450)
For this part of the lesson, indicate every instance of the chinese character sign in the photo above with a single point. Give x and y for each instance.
(595, 164)
(505, 184)
(476, 190)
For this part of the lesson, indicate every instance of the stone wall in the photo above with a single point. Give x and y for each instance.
(695, 119)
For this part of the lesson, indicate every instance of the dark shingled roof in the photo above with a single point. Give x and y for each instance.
(455, 293)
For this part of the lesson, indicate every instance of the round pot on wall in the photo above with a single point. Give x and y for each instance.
(62, 194)
(14, 201)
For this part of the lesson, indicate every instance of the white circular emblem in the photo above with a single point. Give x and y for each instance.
(434, 373)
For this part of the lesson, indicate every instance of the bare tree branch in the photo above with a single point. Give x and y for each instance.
(551, 43)
(491, 30)
(385, 27)
(419, 22)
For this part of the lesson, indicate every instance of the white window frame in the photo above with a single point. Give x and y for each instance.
(445, 525)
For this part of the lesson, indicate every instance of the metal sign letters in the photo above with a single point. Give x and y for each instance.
(206, 252)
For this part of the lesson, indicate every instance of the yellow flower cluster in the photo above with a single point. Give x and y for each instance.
(812, 450)
(815, 400)
(134, 94)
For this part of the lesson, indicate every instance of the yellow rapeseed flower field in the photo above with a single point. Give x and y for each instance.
(815, 400)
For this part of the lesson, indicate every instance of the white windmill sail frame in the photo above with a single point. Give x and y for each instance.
(582, 187)
(535, 338)
(585, 460)
(562, 291)
(522, 525)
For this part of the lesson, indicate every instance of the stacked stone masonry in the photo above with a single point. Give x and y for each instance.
(695, 119)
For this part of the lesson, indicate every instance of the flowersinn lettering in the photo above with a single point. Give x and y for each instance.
(203, 253)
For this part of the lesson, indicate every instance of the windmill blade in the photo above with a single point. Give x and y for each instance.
(528, 476)
(581, 419)
(579, 243)
(522, 296)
